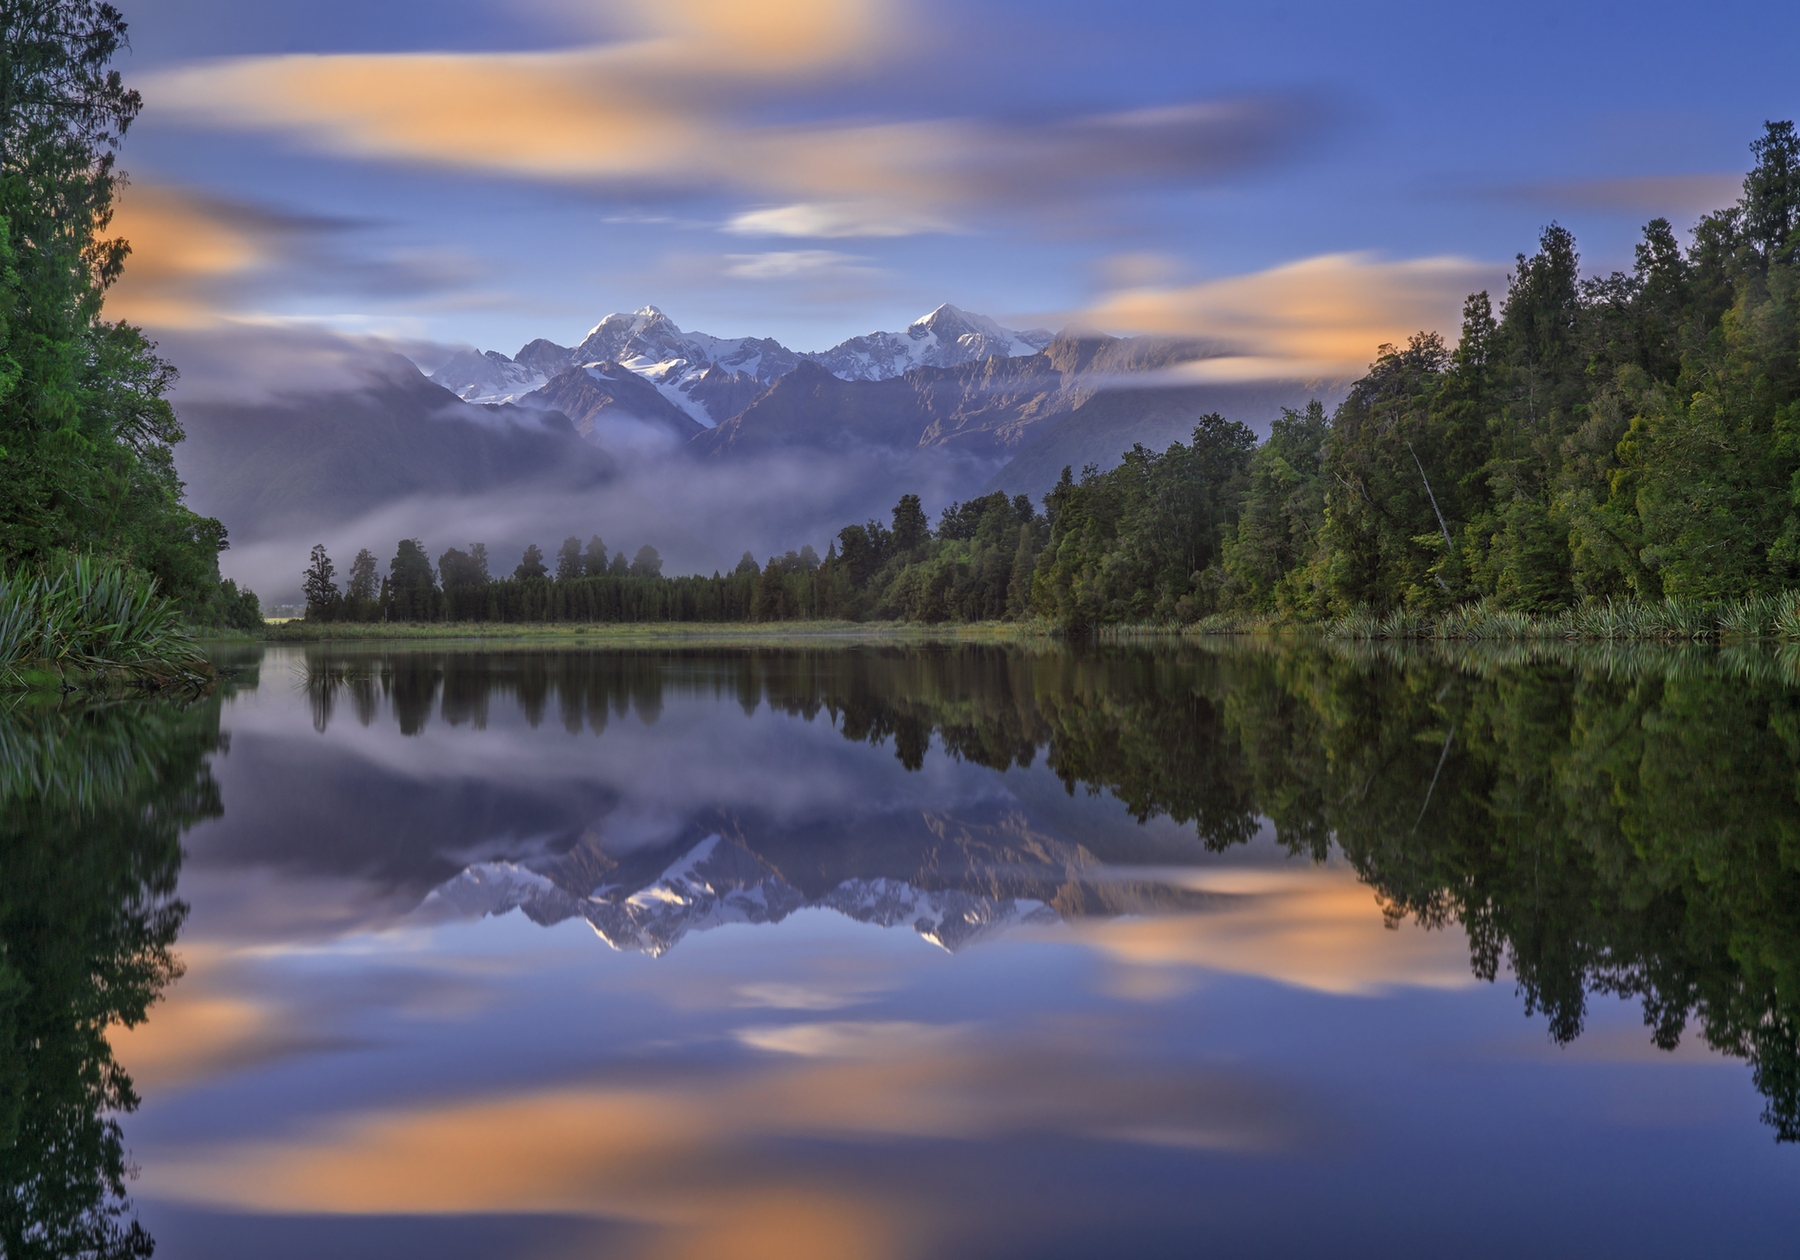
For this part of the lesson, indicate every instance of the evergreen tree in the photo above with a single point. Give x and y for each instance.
(747, 566)
(1771, 202)
(461, 570)
(322, 598)
(569, 562)
(647, 564)
(363, 578)
(593, 561)
(620, 567)
(531, 564)
(911, 528)
(411, 585)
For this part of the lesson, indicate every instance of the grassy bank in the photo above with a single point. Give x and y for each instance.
(1772, 618)
(95, 624)
(631, 634)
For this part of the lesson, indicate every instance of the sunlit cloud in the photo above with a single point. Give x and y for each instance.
(182, 248)
(679, 108)
(849, 1039)
(835, 220)
(673, 1153)
(200, 261)
(1319, 928)
(1321, 316)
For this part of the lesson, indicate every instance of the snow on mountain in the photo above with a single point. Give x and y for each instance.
(713, 378)
(946, 337)
(715, 883)
(650, 344)
(488, 378)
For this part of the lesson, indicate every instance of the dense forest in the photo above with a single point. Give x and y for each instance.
(1597, 440)
(86, 429)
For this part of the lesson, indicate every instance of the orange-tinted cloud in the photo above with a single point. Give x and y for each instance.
(1321, 316)
(182, 249)
(679, 107)
(1319, 928)
(692, 1154)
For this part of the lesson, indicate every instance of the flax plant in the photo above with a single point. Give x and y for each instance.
(94, 618)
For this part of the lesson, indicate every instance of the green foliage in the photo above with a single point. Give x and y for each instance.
(411, 586)
(85, 427)
(92, 616)
(569, 561)
(1134, 544)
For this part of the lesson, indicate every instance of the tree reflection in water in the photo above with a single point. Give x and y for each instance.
(93, 801)
(1598, 822)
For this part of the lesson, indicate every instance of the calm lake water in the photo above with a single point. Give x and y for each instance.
(914, 951)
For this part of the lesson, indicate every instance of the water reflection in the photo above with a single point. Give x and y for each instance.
(92, 804)
(1620, 824)
(1214, 922)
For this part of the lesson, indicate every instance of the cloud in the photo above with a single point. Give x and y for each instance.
(1667, 195)
(832, 220)
(796, 264)
(690, 1153)
(198, 260)
(1315, 928)
(700, 516)
(682, 106)
(1321, 316)
(248, 362)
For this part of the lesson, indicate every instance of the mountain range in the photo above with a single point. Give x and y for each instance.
(1025, 402)
(696, 371)
(953, 405)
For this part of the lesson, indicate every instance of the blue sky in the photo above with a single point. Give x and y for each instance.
(1307, 178)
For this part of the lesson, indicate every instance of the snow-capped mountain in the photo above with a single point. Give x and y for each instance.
(713, 378)
(946, 337)
(488, 377)
(715, 883)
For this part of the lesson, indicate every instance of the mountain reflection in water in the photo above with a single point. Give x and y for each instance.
(1339, 822)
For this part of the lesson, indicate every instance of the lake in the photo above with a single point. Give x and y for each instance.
(910, 950)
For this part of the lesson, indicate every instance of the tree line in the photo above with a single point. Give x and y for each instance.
(1634, 436)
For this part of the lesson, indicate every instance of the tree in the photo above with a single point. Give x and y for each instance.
(363, 578)
(911, 528)
(1772, 193)
(594, 559)
(322, 598)
(747, 566)
(239, 609)
(461, 570)
(85, 427)
(620, 566)
(412, 586)
(531, 564)
(647, 562)
(569, 562)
